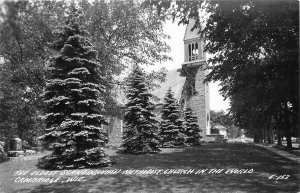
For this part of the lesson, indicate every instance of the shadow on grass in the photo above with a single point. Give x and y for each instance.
(211, 156)
(294, 151)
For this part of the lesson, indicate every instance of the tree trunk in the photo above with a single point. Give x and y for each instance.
(279, 137)
(288, 138)
(264, 134)
(256, 139)
(279, 128)
(288, 129)
(272, 137)
(270, 132)
(257, 136)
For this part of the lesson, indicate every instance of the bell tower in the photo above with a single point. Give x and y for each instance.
(195, 92)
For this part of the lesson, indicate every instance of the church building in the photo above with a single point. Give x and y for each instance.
(186, 83)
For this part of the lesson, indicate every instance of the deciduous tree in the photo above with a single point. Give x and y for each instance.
(255, 56)
(123, 32)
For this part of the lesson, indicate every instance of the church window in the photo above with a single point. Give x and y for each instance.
(196, 50)
(190, 52)
(191, 86)
(207, 116)
(193, 51)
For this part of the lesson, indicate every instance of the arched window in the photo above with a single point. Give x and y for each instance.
(196, 51)
(193, 49)
(193, 52)
(190, 52)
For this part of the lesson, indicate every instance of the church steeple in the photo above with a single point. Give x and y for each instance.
(193, 44)
(195, 92)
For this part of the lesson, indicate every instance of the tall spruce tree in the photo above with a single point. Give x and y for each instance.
(74, 107)
(171, 129)
(192, 129)
(141, 135)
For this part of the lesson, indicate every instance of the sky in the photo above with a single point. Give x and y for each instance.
(176, 32)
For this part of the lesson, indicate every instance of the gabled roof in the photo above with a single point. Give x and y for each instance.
(173, 80)
(188, 35)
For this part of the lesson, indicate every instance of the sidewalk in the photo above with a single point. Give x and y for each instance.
(270, 148)
(281, 152)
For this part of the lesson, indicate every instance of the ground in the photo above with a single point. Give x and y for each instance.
(265, 165)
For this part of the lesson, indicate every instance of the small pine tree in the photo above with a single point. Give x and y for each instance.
(192, 129)
(141, 135)
(171, 129)
(74, 106)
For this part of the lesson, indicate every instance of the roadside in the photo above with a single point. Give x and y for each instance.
(293, 155)
(283, 153)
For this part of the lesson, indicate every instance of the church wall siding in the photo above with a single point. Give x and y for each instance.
(198, 101)
(207, 108)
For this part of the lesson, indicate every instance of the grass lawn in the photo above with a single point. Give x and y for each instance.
(208, 156)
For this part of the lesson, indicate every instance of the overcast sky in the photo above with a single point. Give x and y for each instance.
(176, 32)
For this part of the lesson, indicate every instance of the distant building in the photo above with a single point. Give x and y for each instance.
(220, 130)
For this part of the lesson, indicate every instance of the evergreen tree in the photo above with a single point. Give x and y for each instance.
(171, 129)
(192, 129)
(74, 106)
(141, 135)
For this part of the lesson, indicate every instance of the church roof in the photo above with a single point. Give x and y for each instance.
(173, 80)
(191, 34)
